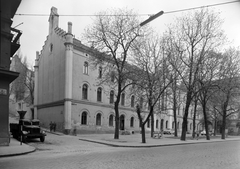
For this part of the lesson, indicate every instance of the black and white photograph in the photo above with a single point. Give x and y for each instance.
(120, 84)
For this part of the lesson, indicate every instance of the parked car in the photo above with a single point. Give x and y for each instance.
(27, 129)
(204, 132)
(168, 131)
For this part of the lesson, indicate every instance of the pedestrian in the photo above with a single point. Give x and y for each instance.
(74, 126)
(54, 126)
(197, 134)
(51, 126)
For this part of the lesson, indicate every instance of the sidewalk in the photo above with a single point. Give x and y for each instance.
(135, 141)
(15, 148)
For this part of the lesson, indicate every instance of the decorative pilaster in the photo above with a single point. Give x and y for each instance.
(68, 79)
(36, 66)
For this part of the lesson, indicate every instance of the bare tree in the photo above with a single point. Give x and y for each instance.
(226, 100)
(208, 73)
(113, 33)
(148, 58)
(190, 39)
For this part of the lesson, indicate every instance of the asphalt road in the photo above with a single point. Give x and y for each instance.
(66, 152)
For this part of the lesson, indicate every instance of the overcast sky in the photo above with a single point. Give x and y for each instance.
(35, 28)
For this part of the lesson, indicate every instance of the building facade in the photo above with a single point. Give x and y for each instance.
(9, 45)
(66, 90)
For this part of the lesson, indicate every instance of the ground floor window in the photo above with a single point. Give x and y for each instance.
(132, 122)
(84, 118)
(111, 120)
(98, 119)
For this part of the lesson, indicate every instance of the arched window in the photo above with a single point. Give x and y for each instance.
(85, 68)
(166, 124)
(84, 118)
(132, 122)
(111, 120)
(98, 119)
(99, 94)
(85, 91)
(100, 72)
(132, 101)
(51, 47)
(111, 101)
(157, 123)
(162, 124)
(112, 76)
(123, 99)
(173, 125)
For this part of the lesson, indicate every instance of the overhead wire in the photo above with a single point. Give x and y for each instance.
(168, 12)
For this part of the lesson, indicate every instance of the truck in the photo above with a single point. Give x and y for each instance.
(27, 129)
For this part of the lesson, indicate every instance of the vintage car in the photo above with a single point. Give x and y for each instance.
(27, 129)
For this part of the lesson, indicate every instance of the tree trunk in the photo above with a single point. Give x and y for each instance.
(185, 117)
(141, 125)
(215, 122)
(205, 120)
(174, 90)
(223, 125)
(175, 117)
(152, 124)
(143, 133)
(194, 117)
(116, 133)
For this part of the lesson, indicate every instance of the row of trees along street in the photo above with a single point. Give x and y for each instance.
(189, 57)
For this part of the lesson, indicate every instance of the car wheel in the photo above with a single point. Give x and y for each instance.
(42, 139)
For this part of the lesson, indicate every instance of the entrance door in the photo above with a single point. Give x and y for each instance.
(122, 122)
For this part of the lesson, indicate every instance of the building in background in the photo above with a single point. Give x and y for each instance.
(21, 89)
(9, 45)
(66, 90)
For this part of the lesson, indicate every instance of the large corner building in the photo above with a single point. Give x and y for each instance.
(66, 91)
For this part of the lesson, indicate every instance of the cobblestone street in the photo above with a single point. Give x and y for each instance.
(67, 152)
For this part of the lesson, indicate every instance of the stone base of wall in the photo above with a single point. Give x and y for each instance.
(4, 141)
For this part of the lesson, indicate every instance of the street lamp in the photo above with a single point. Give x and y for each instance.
(151, 18)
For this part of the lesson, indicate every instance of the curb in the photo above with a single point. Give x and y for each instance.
(17, 154)
(149, 146)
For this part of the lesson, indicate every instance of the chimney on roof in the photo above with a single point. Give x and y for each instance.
(70, 27)
(53, 19)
